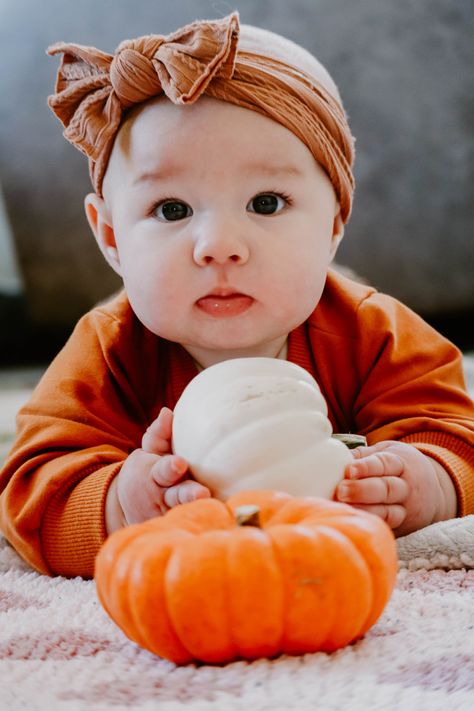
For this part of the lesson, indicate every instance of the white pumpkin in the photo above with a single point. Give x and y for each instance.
(258, 423)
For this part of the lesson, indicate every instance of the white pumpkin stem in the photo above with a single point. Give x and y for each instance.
(248, 515)
(351, 440)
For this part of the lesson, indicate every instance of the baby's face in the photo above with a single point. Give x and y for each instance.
(224, 225)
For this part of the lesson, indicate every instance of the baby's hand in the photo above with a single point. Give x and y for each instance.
(151, 480)
(397, 482)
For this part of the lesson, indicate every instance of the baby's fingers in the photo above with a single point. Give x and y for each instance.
(376, 490)
(169, 470)
(157, 438)
(383, 463)
(185, 492)
(394, 515)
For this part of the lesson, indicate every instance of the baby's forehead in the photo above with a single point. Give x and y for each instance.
(160, 139)
(159, 122)
(258, 51)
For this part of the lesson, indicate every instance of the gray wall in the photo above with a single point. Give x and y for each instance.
(405, 70)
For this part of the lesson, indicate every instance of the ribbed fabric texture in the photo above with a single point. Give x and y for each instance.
(94, 89)
(456, 457)
(74, 523)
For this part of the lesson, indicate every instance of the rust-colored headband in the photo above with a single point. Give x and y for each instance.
(94, 89)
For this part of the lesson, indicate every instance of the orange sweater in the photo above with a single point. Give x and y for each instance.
(383, 371)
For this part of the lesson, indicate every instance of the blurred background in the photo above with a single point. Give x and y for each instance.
(405, 71)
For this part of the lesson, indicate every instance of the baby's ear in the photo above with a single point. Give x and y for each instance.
(337, 232)
(100, 223)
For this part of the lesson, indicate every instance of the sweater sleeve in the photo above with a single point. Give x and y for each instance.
(413, 390)
(82, 421)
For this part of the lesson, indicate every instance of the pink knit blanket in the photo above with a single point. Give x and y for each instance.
(59, 650)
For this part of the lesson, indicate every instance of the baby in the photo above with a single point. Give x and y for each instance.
(221, 162)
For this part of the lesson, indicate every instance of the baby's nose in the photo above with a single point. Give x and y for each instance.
(220, 244)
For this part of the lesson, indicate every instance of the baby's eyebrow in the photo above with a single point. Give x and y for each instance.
(162, 173)
(269, 170)
(273, 169)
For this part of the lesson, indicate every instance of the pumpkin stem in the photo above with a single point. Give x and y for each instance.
(248, 515)
(351, 440)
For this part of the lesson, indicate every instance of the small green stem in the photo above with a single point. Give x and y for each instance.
(248, 515)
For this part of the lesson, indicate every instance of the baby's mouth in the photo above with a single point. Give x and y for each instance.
(224, 303)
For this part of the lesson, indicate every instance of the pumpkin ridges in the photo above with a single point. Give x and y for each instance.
(353, 589)
(105, 561)
(300, 632)
(236, 390)
(195, 588)
(346, 556)
(250, 423)
(249, 444)
(119, 594)
(149, 616)
(317, 569)
(118, 588)
(374, 540)
(383, 566)
(199, 516)
(255, 588)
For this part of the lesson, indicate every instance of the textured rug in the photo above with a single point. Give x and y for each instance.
(60, 651)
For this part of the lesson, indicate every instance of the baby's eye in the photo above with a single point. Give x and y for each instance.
(267, 203)
(172, 210)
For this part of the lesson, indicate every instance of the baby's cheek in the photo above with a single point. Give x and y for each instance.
(156, 308)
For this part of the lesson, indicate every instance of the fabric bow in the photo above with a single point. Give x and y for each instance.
(94, 88)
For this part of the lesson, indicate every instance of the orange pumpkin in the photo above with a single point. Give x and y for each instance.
(197, 584)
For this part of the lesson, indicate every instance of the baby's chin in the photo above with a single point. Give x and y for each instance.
(250, 334)
(209, 351)
(231, 348)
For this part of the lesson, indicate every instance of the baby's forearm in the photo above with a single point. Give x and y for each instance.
(449, 504)
(114, 517)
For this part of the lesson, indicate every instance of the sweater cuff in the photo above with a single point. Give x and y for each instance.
(456, 457)
(74, 523)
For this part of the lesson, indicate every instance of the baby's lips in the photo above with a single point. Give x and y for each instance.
(231, 304)
(222, 291)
